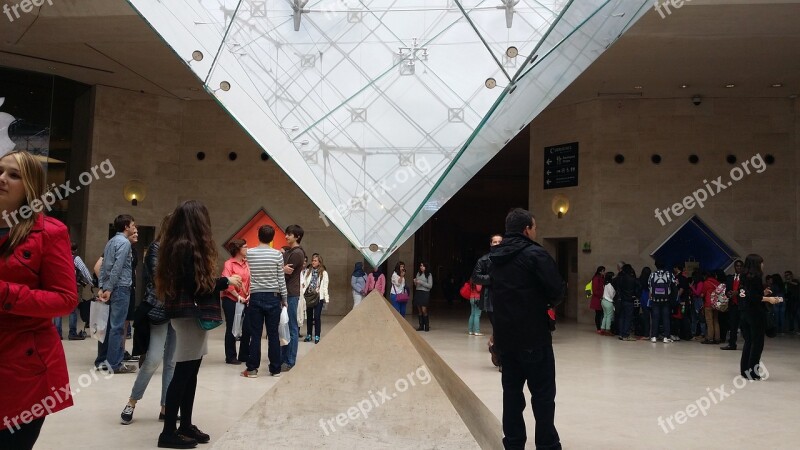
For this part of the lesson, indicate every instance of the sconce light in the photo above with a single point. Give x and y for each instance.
(134, 192)
(560, 205)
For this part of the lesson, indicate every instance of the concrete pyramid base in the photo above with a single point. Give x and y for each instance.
(372, 382)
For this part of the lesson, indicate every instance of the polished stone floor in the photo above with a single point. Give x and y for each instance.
(611, 394)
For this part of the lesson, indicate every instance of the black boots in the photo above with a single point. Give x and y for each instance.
(424, 323)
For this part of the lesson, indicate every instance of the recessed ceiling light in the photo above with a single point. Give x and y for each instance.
(684, 86)
(730, 85)
(777, 85)
(637, 87)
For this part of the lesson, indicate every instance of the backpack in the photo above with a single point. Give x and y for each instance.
(588, 289)
(661, 287)
(719, 299)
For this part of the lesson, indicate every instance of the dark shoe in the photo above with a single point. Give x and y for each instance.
(76, 337)
(706, 341)
(162, 417)
(286, 367)
(427, 323)
(728, 347)
(127, 415)
(316, 339)
(233, 361)
(125, 369)
(128, 357)
(175, 440)
(194, 433)
(308, 338)
(421, 326)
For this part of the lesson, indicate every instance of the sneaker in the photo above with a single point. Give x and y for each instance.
(307, 338)
(128, 357)
(250, 373)
(175, 440)
(478, 333)
(194, 433)
(125, 369)
(316, 339)
(286, 367)
(675, 338)
(76, 337)
(629, 339)
(471, 333)
(233, 361)
(127, 414)
(668, 340)
(276, 374)
(653, 340)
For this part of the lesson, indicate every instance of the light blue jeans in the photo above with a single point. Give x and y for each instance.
(111, 350)
(608, 315)
(475, 316)
(162, 347)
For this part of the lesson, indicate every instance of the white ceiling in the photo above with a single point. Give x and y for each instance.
(705, 44)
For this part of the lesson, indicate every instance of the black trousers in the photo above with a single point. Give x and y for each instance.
(724, 325)
(598, 318)
(314, 320)
(754, 323)
(229, 308)
(537, 368)
(22, 438)
(733, 323)
(180, 394)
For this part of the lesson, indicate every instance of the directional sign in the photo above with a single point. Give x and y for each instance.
(561, 166)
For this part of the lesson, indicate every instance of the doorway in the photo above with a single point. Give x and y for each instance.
(565, 252)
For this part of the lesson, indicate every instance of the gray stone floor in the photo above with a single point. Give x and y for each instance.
(610, 393)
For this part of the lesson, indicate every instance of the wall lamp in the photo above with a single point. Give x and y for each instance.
(134, 191)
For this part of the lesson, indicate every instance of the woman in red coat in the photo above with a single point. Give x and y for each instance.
(598, 284)
(37, 283)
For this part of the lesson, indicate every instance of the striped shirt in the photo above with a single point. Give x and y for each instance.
(266, 271)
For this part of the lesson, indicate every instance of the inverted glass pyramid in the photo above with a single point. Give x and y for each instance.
(381, 110)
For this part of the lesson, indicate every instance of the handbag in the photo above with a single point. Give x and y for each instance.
(465, 291)
(312, 298)
(208, 324)
(402, 297)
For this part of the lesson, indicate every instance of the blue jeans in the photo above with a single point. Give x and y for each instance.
(162, 347)
(537, 368)
(314, 319)
(289, 352)
(779, 310)
(399, 306)
(73, 323)
(474, 316)
(111, 349)
(661, 315)
(697, 315)
(265, 308)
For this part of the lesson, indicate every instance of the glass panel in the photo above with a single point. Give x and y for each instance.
(379, 110)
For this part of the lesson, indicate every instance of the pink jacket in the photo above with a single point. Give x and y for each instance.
(373, 285)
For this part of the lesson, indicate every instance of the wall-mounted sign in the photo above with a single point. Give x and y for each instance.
(561, 166)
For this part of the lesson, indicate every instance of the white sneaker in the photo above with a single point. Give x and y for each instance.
(668, 341)
(471, 333)
(653, 340)
(478, 333)
(675, 338)
(127, 415)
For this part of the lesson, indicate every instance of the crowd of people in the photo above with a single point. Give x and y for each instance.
(706, 306)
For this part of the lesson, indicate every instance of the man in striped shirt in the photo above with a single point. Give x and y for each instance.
(267, 296)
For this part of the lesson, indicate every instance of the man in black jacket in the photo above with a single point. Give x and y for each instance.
(525, 282)
(732, 289)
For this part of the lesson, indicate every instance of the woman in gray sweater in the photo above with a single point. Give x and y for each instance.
(423, 282)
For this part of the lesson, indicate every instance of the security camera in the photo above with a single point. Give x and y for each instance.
(697, 100)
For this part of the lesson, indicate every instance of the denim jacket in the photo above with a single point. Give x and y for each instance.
(116, 269)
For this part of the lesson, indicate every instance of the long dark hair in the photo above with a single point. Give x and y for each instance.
(427, 272)
(752, 266)
(187, 238)
(609, 277)
(397, 267)
(644, 277)
(599, 269)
